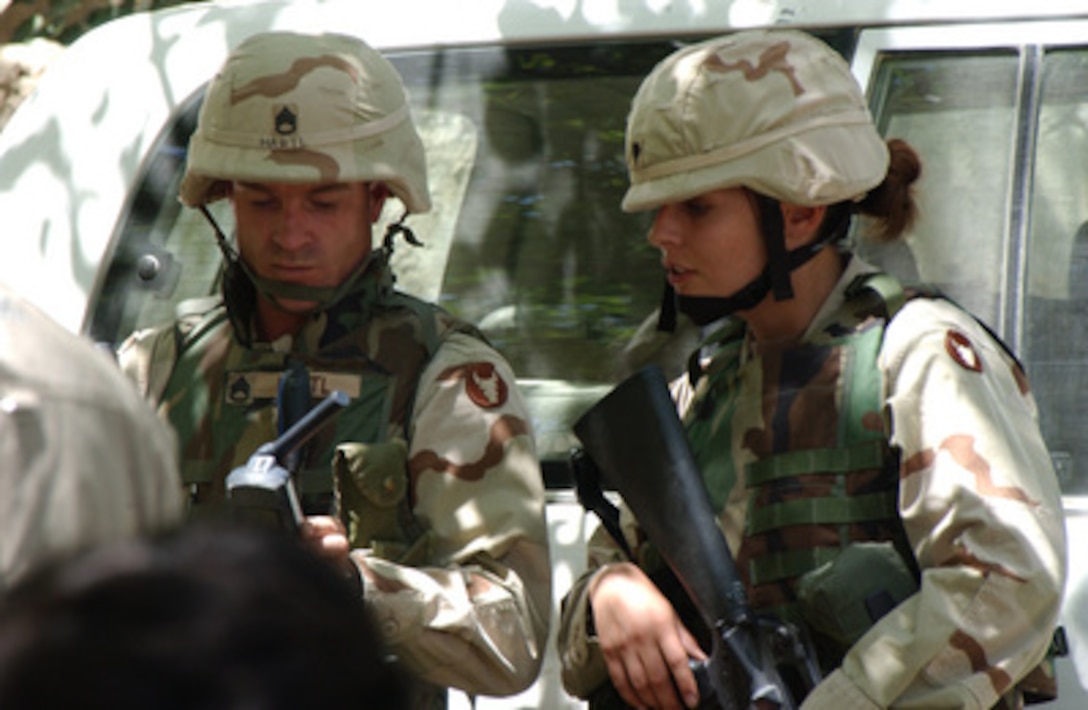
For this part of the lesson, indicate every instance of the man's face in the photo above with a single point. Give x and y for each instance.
(314, 234)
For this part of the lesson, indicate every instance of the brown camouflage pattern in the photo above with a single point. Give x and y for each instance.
(291, 107)
(980, 508)
(735, 110)
(803, 393)
(454, 553)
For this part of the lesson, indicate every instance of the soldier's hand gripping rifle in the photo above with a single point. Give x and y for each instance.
(633, 440)
(263, 491)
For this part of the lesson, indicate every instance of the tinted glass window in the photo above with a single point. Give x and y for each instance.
(1004, 209)
(541, 255)
(1056, 327)
(959, 113)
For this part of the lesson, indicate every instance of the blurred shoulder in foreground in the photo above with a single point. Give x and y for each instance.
(83, 459)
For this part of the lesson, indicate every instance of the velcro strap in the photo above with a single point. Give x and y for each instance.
(823, 511)
(860, 457)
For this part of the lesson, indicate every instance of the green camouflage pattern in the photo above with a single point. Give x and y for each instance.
(978, 501)
(436, 475)
(819, 478)
(220, 397)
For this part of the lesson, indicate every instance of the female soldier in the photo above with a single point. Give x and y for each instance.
(840, 423)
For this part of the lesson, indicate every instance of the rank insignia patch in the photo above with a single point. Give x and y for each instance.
(285, 119)
(962, 351)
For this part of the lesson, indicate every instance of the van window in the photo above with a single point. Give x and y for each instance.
(1056, 311)
(959, 114)
(542, 257)
(1004, 204)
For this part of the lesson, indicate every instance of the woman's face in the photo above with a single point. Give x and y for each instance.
(711, 244)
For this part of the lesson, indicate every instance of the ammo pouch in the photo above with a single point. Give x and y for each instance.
(843, 598)
(371, 489)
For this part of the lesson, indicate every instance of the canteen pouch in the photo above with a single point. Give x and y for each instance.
(842, 599)
(371, 489)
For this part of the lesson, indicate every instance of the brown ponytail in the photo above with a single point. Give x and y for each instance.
(892, 202)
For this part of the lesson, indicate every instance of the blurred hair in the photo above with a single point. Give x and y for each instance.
(205, 616)
(891, 203)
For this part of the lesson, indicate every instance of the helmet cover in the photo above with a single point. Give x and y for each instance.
(296, 108)
(776, 111)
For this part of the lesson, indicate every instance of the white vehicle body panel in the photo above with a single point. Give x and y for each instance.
(72, 155)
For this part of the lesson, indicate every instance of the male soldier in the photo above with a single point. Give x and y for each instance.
(434, 483)
(82, 462)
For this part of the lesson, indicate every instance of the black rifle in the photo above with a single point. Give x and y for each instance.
(263, 491)
(633, 442)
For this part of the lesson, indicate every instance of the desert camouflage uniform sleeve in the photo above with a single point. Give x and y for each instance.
(146, 357)
(87, 461)
(475, 618)
(582, 664)
(982, 510)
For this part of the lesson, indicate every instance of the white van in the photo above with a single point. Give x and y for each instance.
(523, 104)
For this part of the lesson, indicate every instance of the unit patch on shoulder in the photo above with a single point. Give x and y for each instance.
(484, 385)
(962, 351)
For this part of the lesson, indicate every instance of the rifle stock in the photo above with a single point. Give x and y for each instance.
(637, 444)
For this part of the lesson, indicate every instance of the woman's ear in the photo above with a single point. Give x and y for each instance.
(801, 223)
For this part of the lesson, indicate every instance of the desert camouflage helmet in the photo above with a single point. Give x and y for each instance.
(777, 111)
(289, 107)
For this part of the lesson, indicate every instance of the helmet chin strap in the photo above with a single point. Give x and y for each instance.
(703, 310)
(775, 277)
